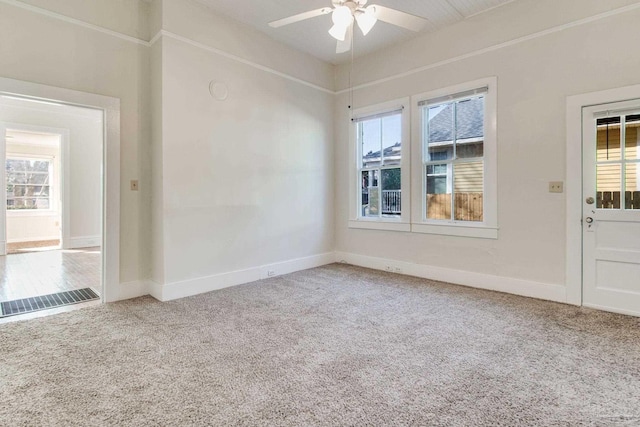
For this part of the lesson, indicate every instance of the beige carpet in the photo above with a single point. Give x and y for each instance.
(333, 346)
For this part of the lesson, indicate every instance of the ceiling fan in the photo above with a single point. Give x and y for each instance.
(345, 12)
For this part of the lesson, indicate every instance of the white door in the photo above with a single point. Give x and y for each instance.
(611, 207)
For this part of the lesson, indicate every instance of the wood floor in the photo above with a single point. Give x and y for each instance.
(24, 247)
(41, 273)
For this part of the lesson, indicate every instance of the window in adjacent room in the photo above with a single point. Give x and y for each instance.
(28, 183)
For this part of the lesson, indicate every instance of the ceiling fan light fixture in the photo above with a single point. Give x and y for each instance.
(338, 32)
(342, 16)
(366, 20)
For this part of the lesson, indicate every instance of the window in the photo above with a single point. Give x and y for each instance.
(380, 137)
(28, 183)
(455, 144)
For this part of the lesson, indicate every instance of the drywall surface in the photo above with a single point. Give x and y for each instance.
(130, 17)
(198, 23)
(534, 77)
(41, 49)
(85, 160)
(248, 172)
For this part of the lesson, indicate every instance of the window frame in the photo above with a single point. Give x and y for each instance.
(403, 221)
(488, 228)
(53, 208)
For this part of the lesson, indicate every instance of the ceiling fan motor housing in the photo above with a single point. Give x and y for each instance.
(354, 5)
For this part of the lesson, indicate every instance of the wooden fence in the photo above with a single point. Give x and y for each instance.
(468, 206)
(611, 199)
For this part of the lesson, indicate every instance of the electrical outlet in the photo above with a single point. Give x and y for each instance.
(388, 268)
(271, 273)
(556, 187)
(397, 270)
(134, 185)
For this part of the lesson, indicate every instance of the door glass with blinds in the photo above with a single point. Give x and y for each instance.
(453, 157)
(379, 142)
(617, 162)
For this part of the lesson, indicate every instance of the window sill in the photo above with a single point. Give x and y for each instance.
(380, 224)
(456, 229)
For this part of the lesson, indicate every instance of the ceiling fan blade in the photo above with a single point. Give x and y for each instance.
(401, 19)
(345, 45)
(300, 17)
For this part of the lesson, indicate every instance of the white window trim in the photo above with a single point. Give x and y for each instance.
(403, 223)
(487, 229)
(53, 172)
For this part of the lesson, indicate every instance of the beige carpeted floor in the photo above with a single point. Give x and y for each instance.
(333, 346)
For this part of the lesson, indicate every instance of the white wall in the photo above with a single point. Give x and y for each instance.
(44, 49)
(535, 75)
(31, 226)
(246, 181)
(85, 162)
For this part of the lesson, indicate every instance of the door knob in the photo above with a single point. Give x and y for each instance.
(590, 200)
(589, 220)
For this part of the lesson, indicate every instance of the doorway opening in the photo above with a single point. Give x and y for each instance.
(51, 206)
(32, 178)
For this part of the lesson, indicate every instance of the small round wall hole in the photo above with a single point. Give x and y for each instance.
(218, 90)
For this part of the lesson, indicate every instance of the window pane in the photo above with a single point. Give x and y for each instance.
(391, 192)
(470, 128)
(392, 139)
(438, 198)
(632, 143)
(370, 194)
(608, 139)
(632, 193)
(41, 203)
(469, 191)
(439, 131)
(38, 178)
(17, 178)
(370, 132)
(608, 186)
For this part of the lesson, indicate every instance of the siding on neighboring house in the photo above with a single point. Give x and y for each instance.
(469, 177)
(609, 175)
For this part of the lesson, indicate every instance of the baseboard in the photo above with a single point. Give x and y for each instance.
(175, 290)
(34, 239)
(521, 287)
(634, 313)
(82, 242)
(128, 290)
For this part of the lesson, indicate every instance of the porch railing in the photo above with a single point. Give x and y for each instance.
(391, 201)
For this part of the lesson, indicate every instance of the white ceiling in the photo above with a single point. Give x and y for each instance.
(311, 35)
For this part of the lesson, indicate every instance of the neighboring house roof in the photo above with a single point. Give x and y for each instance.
(470, 121)
(393, 151)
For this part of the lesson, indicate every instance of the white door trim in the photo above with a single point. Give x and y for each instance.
(575, 105)
(111, 166)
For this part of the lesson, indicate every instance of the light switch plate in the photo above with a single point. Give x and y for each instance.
(134, 185)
